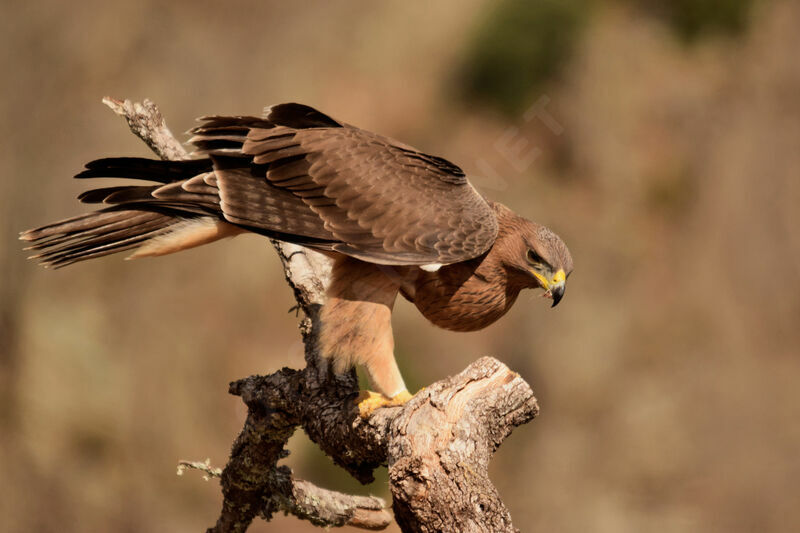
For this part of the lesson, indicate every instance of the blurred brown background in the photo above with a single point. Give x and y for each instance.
(662, 143)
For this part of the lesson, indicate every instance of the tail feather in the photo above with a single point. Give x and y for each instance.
(89, 225)
(178, 209)
(64, 259)
(97, 240)
(87, 221)
(69, 259)
(95, 235)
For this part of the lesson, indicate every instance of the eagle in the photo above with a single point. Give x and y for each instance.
(393, 219)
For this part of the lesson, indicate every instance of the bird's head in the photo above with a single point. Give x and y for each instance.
(537, 257)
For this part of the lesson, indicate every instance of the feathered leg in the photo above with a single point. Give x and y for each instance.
(357, 329)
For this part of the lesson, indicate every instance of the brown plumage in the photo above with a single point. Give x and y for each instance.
(395, 220)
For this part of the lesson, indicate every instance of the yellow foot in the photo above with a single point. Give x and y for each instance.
(368, 401)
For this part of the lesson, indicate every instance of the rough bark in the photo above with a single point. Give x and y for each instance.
(437, 446)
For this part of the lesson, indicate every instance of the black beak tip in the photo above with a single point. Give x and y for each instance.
(558, 294)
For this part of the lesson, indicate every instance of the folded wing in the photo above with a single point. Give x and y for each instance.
(376, 199)
(297, 175)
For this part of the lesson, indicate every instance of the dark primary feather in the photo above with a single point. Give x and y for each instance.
(299, 116)
(141, 168)
(297, 175)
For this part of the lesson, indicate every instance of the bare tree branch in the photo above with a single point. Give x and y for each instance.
(203, 466)
(146, 122)
(437, 446)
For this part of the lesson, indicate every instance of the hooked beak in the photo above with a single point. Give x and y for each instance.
(557, 292)
(555, 287)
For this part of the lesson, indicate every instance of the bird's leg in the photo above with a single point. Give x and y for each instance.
(385, 378)
(357, 329)
(360, 333)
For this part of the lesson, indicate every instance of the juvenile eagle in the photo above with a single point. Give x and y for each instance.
(394, 220)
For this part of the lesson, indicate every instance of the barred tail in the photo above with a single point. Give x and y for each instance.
(179, 212)
(96, 234)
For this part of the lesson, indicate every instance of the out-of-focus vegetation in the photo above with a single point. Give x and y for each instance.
(518, 47)
(694, 19)
(667, 377)
(521, 45)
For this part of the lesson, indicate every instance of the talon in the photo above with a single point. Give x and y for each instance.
(369, 401)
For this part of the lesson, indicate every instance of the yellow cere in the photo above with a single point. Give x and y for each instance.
(542, 279)
(558, 277)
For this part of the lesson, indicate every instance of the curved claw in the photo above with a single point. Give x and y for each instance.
(369, 401)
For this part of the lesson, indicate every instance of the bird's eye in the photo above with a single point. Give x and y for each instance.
(534, 258)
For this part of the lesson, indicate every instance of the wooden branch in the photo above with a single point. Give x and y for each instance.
(441, 444)
(203, 466)
(146, 121)
(437, 446)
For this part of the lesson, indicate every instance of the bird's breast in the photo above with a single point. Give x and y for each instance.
(462, 301)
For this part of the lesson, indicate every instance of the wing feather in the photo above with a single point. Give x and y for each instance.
(383, 201)
(295, 174)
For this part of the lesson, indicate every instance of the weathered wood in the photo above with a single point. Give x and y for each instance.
(437, 446)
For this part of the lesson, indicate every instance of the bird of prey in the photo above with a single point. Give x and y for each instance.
(392, 218)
